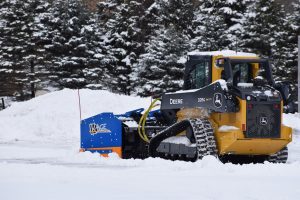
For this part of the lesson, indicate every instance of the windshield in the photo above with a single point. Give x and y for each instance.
(246, 72)
(242, 73)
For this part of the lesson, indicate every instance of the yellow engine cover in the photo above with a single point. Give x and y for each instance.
(234, 142)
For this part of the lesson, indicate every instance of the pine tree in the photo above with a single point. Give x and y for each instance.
(281, 49)
(289, 71)
(22, 44)
(75, 51)
(209, 32)
(232, 11)
(150, 20)
(160, 69)
(234, 14)
(262, 26)
(5, 66)
(123, 42)
(217, 25)
(226, 14)
(93, 71)
(177, 13)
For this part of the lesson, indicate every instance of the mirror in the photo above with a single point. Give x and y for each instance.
(284, 89)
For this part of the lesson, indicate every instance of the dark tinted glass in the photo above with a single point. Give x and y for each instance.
(199, 76)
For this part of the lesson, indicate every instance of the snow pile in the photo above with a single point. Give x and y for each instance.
(223, 84)
(256, 92)
(292, 120)
(55, 116)
(245, 85)
(130, 123)
(178, 140)
(226, 128)
(183, 91)
(268, 93)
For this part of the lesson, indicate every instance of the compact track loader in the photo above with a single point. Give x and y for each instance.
(230, 107)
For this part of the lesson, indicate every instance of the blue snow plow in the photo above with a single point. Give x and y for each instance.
(121, 134)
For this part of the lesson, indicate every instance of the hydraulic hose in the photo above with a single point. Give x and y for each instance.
(142, 122)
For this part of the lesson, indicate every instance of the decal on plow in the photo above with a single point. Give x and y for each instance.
(98, 128)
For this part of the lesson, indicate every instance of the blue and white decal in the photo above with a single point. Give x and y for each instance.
(98, 128)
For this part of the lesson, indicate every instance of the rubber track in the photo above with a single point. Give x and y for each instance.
(203, 133)
(279, 157)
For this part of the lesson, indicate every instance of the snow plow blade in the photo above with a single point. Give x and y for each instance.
(109, 133)
(102, 134)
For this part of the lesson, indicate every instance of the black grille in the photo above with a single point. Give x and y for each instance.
(263, 120)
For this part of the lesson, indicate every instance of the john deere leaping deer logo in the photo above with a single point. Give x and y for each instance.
(263, 121)
(218, 100)
(98, 128)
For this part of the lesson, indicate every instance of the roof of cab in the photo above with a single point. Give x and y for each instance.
(224, 53)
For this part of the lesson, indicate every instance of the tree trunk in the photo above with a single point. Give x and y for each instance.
(3, 105)
(32, 85)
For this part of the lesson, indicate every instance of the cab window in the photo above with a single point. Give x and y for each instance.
(199, 76)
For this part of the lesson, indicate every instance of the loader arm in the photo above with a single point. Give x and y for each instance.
(212, 97)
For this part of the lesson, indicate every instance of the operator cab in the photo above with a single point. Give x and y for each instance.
(200, 71)
(244, 73)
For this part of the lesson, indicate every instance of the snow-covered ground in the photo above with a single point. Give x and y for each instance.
(39, 159)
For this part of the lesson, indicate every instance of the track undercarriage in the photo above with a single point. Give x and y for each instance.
(198, 142)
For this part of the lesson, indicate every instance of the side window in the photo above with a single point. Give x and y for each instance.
(199, 76)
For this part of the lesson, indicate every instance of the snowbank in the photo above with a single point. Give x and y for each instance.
(226, 128)
(292, 120)
(55, 116)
